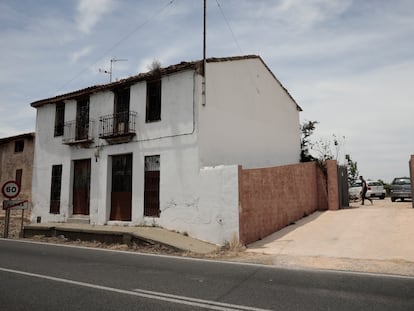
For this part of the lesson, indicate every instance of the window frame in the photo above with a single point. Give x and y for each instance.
(18, 177)
(18, 146)
(55, 189)
(154, 101)
(59, 119)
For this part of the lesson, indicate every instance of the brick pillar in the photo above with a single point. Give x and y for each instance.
(332, 181)
(412, 178)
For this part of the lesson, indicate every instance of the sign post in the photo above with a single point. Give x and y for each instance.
(10, 190)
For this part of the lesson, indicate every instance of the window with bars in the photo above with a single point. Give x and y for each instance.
(56, 184)
(153, 112)
(152, 186)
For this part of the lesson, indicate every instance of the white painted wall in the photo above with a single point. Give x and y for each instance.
(202, 203)
(208, 209)
(248, 119)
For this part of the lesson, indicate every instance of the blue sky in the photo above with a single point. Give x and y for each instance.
(348, 63)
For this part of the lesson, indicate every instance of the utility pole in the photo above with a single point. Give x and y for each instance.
(204, 39)
(203, 99)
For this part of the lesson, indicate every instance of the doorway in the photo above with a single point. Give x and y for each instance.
(121, 188)
(81, 186)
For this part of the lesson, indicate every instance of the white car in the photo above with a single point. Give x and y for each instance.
(375, 190)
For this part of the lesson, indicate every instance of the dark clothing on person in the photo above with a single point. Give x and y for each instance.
(364, 191)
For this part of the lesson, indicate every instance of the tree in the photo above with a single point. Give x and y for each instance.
(306, 130)
(352, 169)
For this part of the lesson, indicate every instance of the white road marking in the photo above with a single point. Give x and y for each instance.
(212, 305)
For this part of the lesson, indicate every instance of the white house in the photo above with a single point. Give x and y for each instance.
(163, 147)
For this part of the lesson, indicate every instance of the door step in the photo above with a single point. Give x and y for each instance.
(78, 219)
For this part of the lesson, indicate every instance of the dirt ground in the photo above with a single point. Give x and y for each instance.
(374, 238)
(242, 254)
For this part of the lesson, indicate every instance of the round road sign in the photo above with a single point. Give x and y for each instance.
(10, 189)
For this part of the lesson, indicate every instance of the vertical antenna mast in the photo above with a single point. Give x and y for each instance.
(113, 60)
(203, 94)
(204, 41)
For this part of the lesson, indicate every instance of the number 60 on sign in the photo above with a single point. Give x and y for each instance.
(10, 189)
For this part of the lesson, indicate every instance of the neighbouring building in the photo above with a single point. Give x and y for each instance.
(163, 147)
(16, 163)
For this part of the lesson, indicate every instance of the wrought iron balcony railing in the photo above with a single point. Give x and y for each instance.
(117, 125)
(77, 132)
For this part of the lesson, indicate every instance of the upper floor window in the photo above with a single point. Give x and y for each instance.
(59, 119)
(82, 119)
(18, 146)
(122, 100)
(121, 118)
(153, 101)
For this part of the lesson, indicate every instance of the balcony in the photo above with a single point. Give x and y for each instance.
(117, 128)
(76, 132)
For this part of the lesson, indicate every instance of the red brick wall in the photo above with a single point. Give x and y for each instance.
(412, 177)
(272, 198)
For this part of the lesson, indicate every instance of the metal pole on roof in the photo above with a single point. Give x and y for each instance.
(204, 40)
(203, 100)
(113, 60)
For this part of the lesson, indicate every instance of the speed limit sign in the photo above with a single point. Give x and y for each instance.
(10, 189)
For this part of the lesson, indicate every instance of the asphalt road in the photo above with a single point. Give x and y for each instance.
(35, 276)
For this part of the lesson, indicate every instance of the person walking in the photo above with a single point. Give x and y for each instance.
(364, 190)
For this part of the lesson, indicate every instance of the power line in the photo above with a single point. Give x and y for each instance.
(228, 25)
(117, 43)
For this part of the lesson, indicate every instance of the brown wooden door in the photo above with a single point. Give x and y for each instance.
(121, 194)
(81, 186)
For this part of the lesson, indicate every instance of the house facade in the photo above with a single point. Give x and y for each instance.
(16, 162)
(163, 147)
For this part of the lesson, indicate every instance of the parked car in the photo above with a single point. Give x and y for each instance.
(401, 189)
(375, 190)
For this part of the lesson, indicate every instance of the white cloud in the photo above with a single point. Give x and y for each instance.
(90, 12)
(307, 13)
(75, 56)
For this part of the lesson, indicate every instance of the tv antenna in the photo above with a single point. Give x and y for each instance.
(113, 60)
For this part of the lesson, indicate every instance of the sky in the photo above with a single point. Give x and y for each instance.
(349, 64)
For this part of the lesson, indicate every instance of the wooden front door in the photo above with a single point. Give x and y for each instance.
(81, 186)
(121, 193)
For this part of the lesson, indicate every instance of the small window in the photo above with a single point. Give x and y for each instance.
(18, 146)
(152, 186)
(18, 178)
(153, 101)
(56, 184)
(59, 119)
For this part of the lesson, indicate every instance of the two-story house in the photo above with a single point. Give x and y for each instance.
(16, 161)
(163, 147)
